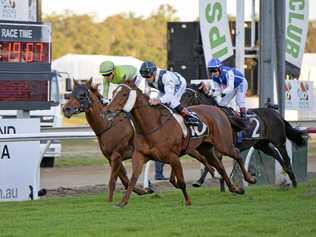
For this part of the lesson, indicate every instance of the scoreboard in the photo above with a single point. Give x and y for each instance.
(25, 65)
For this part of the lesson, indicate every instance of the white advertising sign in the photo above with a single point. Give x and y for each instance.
(19, 161)
(296, 30)
(215, 30)
(18, 10)
(298, 95)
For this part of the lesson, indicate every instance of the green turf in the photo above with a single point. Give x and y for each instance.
(262, 211)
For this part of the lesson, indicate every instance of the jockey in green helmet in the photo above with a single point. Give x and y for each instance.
(115, 74)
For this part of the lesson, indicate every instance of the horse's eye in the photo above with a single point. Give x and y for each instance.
(125, 94)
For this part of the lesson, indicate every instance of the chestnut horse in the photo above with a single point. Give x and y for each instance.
(114, 137)
(160, 137)
(272, 143)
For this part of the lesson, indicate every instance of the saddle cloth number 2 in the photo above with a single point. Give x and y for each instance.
(256, 129)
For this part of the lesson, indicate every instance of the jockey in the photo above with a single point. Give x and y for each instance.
(227, 82)
(171, 86)
(115, 75)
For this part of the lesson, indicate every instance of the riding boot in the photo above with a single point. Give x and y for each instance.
(159, 171)
(189, 117)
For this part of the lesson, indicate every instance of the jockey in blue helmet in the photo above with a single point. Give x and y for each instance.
(226, 82)
(171, 86)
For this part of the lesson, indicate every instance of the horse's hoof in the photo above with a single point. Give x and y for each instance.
(120, 205)
(196, 184)
(188, 203)
(252, 180)
(238, 190)
(149, 190)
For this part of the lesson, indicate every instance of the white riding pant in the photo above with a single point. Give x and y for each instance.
(240, 93)
(174, 99)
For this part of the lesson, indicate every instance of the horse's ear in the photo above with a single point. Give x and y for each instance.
(97, 85)
(89, 83)
(76, 83)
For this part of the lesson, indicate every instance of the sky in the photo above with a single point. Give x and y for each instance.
(187, 10)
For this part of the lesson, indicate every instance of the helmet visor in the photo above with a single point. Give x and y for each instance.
(146, 73)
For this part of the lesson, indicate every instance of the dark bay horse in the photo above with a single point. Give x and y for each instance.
(159, 137)
(272, 142)
(114, 137)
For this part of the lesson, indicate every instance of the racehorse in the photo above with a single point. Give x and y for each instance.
(114, 137)
(159, 137)
(276, 130)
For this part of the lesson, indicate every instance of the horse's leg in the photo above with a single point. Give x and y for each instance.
(201, 180)
(221, 180)
(235, 154)
(172, 179)
(137, 166)
(209, 152)
(177, 169)
(280, 154)
(124, 179)
(197, 155)
(116, 162)
(287, 166)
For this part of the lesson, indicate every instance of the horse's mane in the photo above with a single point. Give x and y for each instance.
(95, 90)
(132, 85)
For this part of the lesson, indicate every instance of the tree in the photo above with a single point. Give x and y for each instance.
(123, 35)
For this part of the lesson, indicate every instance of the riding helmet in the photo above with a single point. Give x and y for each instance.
(106, 67)
(214, 63)
(147, 69)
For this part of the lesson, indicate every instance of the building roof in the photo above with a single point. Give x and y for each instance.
(85, 66)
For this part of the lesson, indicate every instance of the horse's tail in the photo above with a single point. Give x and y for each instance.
(295, 135)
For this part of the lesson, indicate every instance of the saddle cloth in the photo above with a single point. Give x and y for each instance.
(255, 127)
(194, 131)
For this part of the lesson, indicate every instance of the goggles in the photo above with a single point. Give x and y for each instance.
(107, 74)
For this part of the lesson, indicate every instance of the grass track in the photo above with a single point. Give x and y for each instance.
(262, 211)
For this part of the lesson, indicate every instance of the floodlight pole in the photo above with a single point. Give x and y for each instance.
(266, 54)
(240, 35)
(280, 52)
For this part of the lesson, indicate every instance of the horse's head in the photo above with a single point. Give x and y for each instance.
(194, 95)
(81, 98)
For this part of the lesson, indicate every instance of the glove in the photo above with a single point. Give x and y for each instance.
(223, 94)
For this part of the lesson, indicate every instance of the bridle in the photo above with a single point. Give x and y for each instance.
(81, 94)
